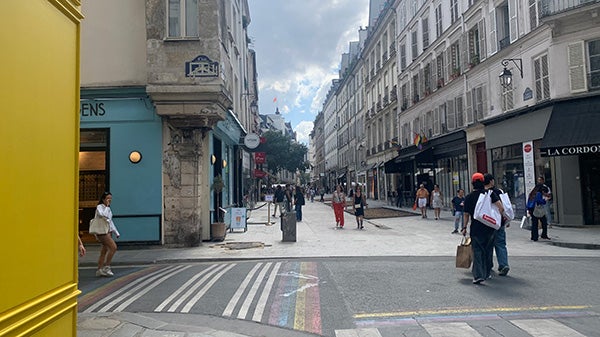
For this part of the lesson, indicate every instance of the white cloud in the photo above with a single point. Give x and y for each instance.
(298, 48)
(303, 130)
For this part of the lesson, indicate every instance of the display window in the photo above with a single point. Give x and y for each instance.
(93, 175)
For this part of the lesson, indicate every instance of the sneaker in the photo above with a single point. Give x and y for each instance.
(504, 271)
(546, 238)
(455, 231)
(100, 273)
(108, 271)
(478, 281)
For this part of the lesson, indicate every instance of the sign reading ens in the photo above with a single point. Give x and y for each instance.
(571, 150)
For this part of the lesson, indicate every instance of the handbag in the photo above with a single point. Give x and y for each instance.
(414, 206)
(99, 226)
(539, 211)
(464, 253)
(486, 212)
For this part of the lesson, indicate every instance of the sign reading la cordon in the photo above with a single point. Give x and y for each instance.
(570, 150)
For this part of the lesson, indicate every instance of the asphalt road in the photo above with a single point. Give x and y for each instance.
(343, 297)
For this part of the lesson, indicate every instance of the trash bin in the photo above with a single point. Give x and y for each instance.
(288, 227)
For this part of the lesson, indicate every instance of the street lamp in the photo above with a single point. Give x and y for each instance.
(506, 75)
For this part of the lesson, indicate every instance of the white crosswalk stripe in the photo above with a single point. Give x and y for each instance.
(204, 289)
(238, 294)
(531, 327)
(250, 297)
(453, 329)
(357, 333)
(262, 301)
(546, 328)
(127, 290)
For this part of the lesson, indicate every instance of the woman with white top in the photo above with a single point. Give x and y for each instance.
(109, 247)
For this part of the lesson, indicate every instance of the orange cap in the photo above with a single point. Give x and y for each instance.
(477, 177)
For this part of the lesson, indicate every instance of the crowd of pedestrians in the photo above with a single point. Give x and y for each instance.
(485, 240)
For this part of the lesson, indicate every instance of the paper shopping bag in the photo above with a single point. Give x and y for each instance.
(464, 254)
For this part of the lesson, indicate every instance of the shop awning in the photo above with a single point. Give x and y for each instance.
(518, 129)
(391, 166)
(573, 128)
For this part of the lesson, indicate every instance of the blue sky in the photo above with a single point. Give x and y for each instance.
(298, 46)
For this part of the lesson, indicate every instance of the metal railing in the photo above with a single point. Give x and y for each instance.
(552, 7)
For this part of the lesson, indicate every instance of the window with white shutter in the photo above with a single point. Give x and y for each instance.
(413, 40)
(470, 115)
(438, 21)
(450, 115)
(429, 124)
(458, 106)
(577, 78)
(542, 79)
(493, 37)
(442, 114)
(436, 121)
(514, 20)
(594, 54)
(440, 70)
(425, 28)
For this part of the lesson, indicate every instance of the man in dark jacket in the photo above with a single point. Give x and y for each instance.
(482, 236)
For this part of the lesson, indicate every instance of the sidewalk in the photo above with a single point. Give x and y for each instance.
(317, 237)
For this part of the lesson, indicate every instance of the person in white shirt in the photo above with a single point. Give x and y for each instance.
(109, 247)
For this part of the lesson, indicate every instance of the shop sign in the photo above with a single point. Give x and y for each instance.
(571, 150)
(251, 140)
(260, 157)
(201, 66)
(527, 94)
(528, 166)
(259, 173)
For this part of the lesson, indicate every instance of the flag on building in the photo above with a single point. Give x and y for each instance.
(274, 99)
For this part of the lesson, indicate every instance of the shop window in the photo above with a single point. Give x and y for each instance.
(93, 174)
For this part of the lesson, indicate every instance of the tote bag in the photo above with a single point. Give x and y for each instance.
(508, 209)
(99, 226)
(486, 212)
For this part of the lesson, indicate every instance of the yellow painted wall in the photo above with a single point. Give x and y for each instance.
(39, 143)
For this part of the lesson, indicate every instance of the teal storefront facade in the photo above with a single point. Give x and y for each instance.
(121, 152)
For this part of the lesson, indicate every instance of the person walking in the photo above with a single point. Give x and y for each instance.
(279, 195)
(421, 200)
(109, 247)
(437, 201)
(458, 204)
(547, 195)
(360, 202)
(338, 201)
(482, 236)
(535, 206)
(500, 239)
(299, 202)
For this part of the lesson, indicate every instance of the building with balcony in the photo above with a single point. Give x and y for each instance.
(507, 87)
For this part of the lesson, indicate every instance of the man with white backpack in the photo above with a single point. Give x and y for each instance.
(500, 240)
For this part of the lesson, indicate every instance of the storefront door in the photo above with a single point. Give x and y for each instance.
(590, 180)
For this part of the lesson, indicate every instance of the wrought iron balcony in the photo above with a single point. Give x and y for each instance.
(552, 7)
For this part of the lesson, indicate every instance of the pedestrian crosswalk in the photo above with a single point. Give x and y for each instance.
(288, 294)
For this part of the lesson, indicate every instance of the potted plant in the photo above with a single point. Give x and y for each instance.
(218, 229)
